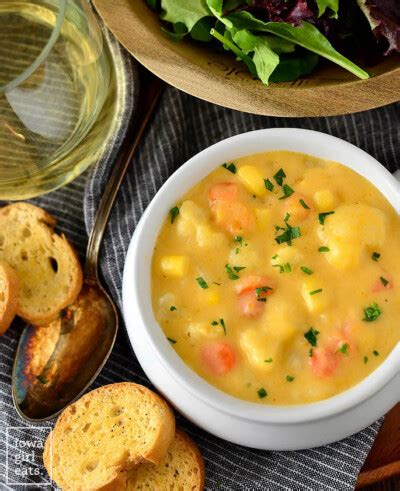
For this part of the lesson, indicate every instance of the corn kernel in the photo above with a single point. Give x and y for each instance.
(316, 301)
(252, 179)
(324, 200)
(174, 266)
(263, 218)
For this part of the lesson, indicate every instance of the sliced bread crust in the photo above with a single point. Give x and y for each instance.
(9, 294)
(105, 433)
(181, 469)
(47, 266)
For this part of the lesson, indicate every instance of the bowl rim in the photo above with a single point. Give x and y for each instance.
(136, 277)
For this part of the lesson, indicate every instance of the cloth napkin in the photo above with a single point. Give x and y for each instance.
(181, 127)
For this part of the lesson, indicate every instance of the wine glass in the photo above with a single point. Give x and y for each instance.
(57, 90)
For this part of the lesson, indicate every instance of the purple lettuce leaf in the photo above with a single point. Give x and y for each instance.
(384, 18)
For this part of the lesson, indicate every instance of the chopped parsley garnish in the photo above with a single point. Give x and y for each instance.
(230, 167)
(171, 340)
(202, 282)
(283, 268)
(375, 256)
(322, 216)
(274, 257)
(172, 308)
(372, 313)
(279, 177)
(287, 191)
(323, 249)
(310, 352)
(268, 361)
(173, 213)
(384, 281)
(260, 291)
(289, 378)
(314, 292)
(215, 283)
(306, 270)
(42, 379)
(268, 184)
(343, 349)
(221, 322)
(238, 239)
(231, 272)
(262, 393)
(376, 353)
(289, 233)
(311, 336)
(365, 360)
(304, 204)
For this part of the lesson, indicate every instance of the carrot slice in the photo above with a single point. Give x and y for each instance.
(250, 306)
(250, 283)
(324, 361)
(297, 211)
(219, 358)
(380, 285)
(232, 216)
(223, 191)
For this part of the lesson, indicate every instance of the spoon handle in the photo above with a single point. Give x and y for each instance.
(151, 90)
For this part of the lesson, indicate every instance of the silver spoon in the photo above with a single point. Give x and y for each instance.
(54, 365)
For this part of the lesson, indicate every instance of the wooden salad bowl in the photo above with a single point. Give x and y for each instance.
(216, 77)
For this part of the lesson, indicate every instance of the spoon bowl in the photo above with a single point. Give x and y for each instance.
(54, 364)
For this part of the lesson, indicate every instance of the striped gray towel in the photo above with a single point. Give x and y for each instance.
(183, 126)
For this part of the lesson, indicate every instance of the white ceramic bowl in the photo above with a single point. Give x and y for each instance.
(246, 423)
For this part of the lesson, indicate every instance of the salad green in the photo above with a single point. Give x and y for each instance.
(278, 40)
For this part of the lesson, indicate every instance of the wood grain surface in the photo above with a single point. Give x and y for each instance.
(216, 77)
(384, 459)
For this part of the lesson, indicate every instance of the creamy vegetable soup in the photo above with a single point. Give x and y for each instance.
(276, 278)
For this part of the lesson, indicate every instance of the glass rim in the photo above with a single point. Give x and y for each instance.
(43, 54)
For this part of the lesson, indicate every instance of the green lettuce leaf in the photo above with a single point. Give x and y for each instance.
(305, 35)
(184, 11)
(264, 58)
(227, 41)
(295, 66)
(332, 5)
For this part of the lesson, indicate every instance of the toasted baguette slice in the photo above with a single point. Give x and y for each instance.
(181, 469)
(105, 433)
(47, 266)
(9, 292)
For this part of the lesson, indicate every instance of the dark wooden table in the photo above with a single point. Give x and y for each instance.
(381, 471)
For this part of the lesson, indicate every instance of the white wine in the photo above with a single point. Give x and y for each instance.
(52, 123)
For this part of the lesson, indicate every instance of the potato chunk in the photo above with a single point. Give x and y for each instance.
(204, 330)
(252, 179)
(263, 218)
(349, 231)
(324, 200)
(343, 255)
(192, 223)
(260, 348)
(358, 223)
(316, 301)
(174, 266)
(287, 254)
